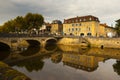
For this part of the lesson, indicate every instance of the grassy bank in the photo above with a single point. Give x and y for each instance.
(7, 73)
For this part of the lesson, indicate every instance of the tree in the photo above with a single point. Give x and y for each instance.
(19, 23)
(117, 27)
(23, 23)
(8, 26)
(34, 20)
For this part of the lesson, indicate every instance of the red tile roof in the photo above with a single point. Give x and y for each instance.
(105, 25)
(81, 19)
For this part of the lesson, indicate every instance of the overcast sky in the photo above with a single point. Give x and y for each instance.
(106, 10)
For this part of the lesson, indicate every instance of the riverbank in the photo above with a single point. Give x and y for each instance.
(92, 42)
(7, 73)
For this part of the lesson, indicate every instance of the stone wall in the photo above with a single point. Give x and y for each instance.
(92, 42)
(73, 41)
(104, 42)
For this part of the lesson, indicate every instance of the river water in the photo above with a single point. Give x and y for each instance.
(59, 62)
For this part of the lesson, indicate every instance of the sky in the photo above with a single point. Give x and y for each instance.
(106, 10)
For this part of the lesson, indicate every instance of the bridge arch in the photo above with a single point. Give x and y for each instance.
(4, 46)
(51, 41)
(33, 42)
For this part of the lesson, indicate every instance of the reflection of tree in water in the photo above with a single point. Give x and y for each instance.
(116, 67)
(30, 51)
(34, 64)
(4, 54)
(56, 57)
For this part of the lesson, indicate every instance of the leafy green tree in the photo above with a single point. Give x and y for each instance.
(34, 20)
(8, 26)
(117, 27)
(19, 23)
(23, 23)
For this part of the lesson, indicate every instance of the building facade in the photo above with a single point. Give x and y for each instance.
(85, 26)
(45, 28)
(56, 27)
(81, 26)
(106, 31)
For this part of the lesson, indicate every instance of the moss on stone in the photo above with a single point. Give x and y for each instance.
(11, 74)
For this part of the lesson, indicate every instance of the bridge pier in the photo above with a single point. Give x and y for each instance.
(43, 43)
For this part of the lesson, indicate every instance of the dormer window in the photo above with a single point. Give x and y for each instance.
(90, 18)
(84, 19)
(80, 20)
(76, 20)
(73, 21)
(69, 21)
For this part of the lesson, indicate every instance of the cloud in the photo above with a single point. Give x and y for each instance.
(106, 10)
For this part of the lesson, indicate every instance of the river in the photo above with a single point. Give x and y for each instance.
(59, 62)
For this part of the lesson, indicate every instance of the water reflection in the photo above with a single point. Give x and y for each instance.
(73, 49)
(4, 54)
(83, 62)
(85, 59)
(116, 67)
(34, 64)
(51, 47)
(56, 57)
(29, 51)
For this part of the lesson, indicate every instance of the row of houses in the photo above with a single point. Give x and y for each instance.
(79, 26)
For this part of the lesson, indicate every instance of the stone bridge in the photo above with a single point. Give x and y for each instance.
(13, 42)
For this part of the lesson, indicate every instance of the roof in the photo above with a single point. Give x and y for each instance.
(56, 22)
(81, 19)
(106, 26)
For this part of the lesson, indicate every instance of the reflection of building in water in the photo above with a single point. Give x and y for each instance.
(106, 53)
(84, 62)
(75, 49)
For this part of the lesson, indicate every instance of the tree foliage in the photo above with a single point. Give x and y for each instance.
(34, 20)
(117, 27)
(27, 22)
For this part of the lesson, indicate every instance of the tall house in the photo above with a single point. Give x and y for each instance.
(81, 26)
(106, 31)
(56, 27)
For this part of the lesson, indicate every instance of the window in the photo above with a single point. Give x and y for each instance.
(72, 24)
(84, 19)
(73, 21)
(80, 24)
(90, 18)
(72, 29)
(76, 20)
(79, 29)
(71, 34)
(76, 29)
(76, 24)
(69, 21)
(89, 28)
(82, 34)
(88, 34)
(69, 29)
(80, 19)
